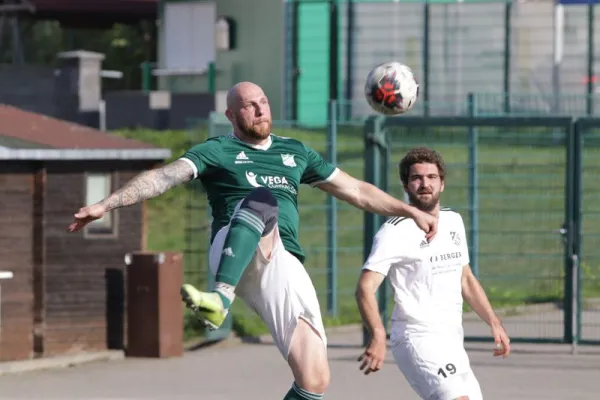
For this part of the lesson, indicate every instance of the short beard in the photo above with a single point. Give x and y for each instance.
(422, 205)
(256, 131)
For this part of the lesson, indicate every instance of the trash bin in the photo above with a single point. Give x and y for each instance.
(154, 308)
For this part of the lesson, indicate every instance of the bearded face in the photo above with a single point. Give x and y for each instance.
(256, 125)
(249, 111)
(424, 186)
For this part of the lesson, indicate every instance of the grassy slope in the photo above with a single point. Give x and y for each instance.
(521, 194)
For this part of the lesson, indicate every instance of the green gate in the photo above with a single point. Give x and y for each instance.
(512, 180)
(312, 59)
(586, 259)
(313, 63)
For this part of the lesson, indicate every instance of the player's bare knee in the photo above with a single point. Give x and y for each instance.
(314, 377)
(317, 381)
(308, 359)
(262, 204)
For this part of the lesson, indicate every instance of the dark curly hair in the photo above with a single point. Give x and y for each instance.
(421, 155)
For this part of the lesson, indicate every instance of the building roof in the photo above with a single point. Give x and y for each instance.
(94, 13)
(97, 6)
(27, 135)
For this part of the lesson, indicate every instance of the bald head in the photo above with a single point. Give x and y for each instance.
(241, 91)
(249, 111)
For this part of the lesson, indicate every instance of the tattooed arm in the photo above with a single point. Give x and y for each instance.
(144, 186)
(149, 184)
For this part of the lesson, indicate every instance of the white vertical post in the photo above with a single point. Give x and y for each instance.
(3, 275)
(459, 58)
(102, 112)
(558, 47)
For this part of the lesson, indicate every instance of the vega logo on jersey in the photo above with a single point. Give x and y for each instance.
(272, 182)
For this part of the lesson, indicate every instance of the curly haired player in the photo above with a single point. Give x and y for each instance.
(430, 279)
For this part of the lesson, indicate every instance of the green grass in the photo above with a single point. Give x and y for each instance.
(521, 207)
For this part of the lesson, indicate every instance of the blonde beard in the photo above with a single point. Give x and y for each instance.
(257, 133)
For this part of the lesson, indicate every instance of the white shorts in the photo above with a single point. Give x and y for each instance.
(436, 366)
(279, 291)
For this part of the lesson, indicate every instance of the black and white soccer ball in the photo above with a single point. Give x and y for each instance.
(391, 88)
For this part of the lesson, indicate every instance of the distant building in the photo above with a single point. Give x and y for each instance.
(67, 290)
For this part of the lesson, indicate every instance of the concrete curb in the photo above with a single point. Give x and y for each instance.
(15, 367)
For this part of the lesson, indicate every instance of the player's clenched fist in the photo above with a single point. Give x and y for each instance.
(374, 355)
(86, 215)
(426, 222)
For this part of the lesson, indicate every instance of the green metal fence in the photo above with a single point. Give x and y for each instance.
(520, 186)
(519, 183)
(453, 47)
(587, 218)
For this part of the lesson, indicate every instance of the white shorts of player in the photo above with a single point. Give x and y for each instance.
(279, 291)
(436, 366)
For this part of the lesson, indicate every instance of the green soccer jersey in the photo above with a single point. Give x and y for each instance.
(229, 169)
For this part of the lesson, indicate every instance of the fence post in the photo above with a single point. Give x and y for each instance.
(333, 50)
(227, 325)
(146, 76)
(590, 60)
(374, 139)
(350, 37)
(578, 134)
(573, 192)
(473, 187)
(292, 42)
(426, 29)
(386, 154)
(569, 282)
(332, 215)
(507, 54)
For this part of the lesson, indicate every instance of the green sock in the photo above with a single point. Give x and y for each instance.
(297, 393)
(239, 248)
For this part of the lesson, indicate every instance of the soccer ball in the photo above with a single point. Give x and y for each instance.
(391, 88)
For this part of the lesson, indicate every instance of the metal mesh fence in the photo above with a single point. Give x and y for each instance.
(508, 181)
(590, 240)
(520, 186)
(455, 48)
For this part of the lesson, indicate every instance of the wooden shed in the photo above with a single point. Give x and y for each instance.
(66, 294)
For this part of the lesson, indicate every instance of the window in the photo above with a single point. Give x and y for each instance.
(189, 36)
(98, 187)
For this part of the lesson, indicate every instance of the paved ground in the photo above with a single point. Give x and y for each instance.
(256, 372)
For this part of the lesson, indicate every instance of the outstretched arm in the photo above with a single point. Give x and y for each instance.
(144, 186)
(149, 184)
(365, 196)
(368, 197)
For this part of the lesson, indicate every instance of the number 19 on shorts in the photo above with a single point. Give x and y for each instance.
(449, 369)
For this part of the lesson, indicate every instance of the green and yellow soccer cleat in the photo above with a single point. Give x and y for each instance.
(208, 306)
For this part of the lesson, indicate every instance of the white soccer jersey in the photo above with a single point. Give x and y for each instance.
(425, 277)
